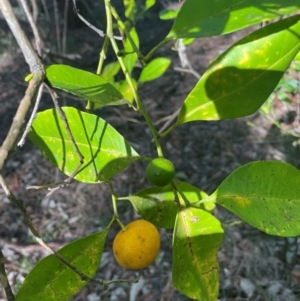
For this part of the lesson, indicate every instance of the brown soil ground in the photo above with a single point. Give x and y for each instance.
(253, 265)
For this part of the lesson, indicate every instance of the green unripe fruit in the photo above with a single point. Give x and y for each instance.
(160, 172)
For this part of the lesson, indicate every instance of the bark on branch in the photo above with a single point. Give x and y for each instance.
(38, 72)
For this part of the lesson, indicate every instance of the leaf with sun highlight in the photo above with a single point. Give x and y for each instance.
(239, 81)
(196, 241)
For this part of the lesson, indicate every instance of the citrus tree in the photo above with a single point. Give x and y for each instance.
(88, 149)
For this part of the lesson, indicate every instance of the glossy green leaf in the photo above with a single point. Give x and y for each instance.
(168, 14)
(264, 194)
(297, 57)
(243, 77)
(52, 280)
(203, 18)
(149, 3)
(157, 204)
(105, 151)
(84, 84)
(125, 89)
(129, 6)
(110, 71)
(196, 240)
(188, 41)
(155, 69)
(130, 59)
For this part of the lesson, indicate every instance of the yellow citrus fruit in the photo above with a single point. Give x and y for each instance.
(160, 172)
(137, 246)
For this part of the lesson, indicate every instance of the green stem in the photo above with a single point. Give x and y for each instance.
(129, 80)
(114, 203)
(151, 52)
(170, 129)
(107, 282)
(123, 198)
(183, 201)
(103, 55)
(124, 29)
(109, 33)
(153, 130)
(4, 280)
(90, 104)
(111, 222)
(211, 198)
(234, 223)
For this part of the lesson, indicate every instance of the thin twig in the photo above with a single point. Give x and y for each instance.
(185, 63)
(19, 204)
(39, 239)
(30, 55)
(65, 121)
(65, 28)
(38, 40)
(69, 56)
(33, 113)
(18, 121)
(45, 9)
(35, 233)
(168, 119)
(35, 10)
(57, 27)
(4, 281)
(137, 279)
(123, 27)
(47, 186)
(191, 71)
(98, 31)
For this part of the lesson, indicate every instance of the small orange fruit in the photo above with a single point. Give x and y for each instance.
(137, 246)
(160, 172)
